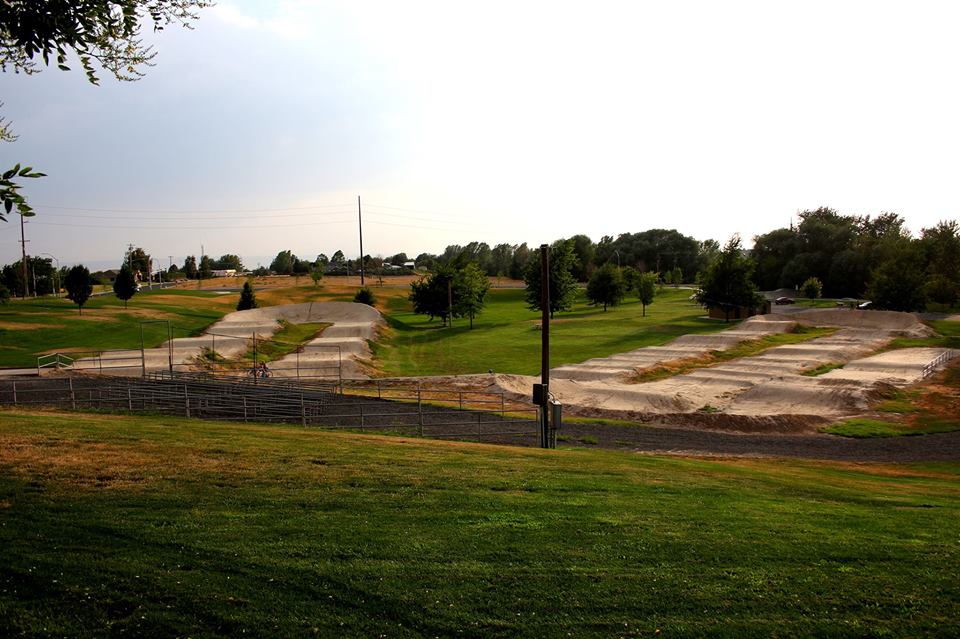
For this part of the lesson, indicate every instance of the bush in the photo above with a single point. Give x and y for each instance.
(365, 296)
(812, 288)
(248, 299)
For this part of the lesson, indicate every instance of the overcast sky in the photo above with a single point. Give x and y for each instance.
(498, 122)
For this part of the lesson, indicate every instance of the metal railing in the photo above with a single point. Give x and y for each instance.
(940, 361)
(408, 409)
(55, 361)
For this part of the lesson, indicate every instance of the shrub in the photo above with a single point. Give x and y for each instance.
(365, 296)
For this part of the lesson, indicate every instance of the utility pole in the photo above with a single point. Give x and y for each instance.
(541, 391)
(360, 222)
(23, 248)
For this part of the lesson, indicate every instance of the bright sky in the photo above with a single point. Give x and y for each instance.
(495, 121)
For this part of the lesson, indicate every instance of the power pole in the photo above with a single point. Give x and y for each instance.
(360, 222)
(23, 248)
(544, 395)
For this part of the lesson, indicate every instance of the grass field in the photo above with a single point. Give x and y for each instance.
(506, 336)
(933, 406)
(32, 327)
(139, 526)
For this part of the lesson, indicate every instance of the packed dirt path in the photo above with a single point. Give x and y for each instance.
(341, 344)
(769, 384)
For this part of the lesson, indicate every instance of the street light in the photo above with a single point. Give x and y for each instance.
(57, 273)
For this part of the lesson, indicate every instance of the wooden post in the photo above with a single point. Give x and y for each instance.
(186, 400)
(14, 392)
(303, 412)
(129, 400)
(419, 412)
(73, 397)
(244, 408)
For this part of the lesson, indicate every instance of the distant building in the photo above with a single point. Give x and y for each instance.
(225, 272)
(410, 264)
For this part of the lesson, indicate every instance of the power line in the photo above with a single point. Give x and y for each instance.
(191, 211)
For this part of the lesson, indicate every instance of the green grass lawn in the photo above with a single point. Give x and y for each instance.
(139, 526)
(506, 336)
(32, 327)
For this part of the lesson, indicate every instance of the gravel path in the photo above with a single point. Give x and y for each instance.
(686, 441)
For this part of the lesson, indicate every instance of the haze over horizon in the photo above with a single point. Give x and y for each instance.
(510, 122)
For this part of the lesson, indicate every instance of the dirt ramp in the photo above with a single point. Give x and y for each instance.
(855, 318)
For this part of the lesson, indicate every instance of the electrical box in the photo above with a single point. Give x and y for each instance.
(556, 413)
(539, 394)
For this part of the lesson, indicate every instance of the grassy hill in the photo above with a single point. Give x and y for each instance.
(141, 526)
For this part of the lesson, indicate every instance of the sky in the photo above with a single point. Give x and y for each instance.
(497, 121)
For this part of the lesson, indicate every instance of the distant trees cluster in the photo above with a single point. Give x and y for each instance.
(862, 257)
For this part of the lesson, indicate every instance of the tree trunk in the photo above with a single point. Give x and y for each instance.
(644, 308)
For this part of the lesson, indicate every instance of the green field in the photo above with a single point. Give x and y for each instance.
(506, 336)
(32, 327)
(138, 526)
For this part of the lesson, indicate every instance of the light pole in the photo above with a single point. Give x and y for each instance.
(57, 273)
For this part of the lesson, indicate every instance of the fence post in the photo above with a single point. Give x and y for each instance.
(244, 408)
(14, 392)
(361, 416)
(73, 397)
(419, 412)
(186, 400)
(303, 412)
(129, 400)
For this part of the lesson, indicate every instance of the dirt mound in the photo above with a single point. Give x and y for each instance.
(856, 318)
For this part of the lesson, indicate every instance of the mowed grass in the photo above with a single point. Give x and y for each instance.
(930, 407)
(506, 336)
(139, 526)
(32, 327)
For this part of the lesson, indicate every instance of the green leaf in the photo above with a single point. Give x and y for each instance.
(8, 205)
(25, 170)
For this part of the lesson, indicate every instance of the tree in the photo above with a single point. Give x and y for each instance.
(470, 286)
(104, 33)
(248, 298)
(811, 288)
(898, 283)
(726, 283)
(585, 251)
(365, 296)
(606, 286)
(229, 261)
(4, 294)
(138, 260)
(190, 267)
(677, 276)
(631, 278)
(430, 295)
(283, 263)
(316, 274)
(125, 286)
(321, 261)
(646, 290)
(78, 286)
(338, 258)
(10, 191)
(563, 287)
(205, 270)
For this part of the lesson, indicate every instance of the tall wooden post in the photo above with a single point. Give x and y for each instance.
(545, 344)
